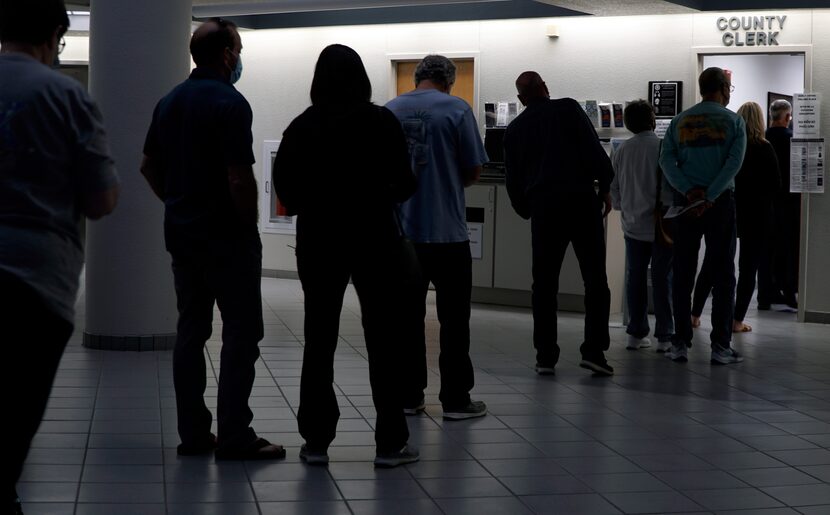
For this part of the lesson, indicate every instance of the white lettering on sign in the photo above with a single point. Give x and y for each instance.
(741, 31)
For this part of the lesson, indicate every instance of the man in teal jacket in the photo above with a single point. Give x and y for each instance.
(702, 152)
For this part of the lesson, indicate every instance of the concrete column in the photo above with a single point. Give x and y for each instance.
(138, 52)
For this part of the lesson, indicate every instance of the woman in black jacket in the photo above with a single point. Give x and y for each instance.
(342, 167)
(755, 187)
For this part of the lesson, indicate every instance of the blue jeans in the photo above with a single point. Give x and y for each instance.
(638, 255)
(717, 226)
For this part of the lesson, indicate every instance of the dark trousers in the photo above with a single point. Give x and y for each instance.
(449, 267)
(324, 271)
(33, 340)
(555, 223)
(638, 256)
(787, 244)
(717, 226)
(754, 251)
(228, 274)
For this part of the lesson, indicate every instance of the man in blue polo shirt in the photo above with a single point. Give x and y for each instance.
(197, 159)
(447, 153)
(702, 153)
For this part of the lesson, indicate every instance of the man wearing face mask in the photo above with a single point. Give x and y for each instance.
(198, 160)
(702, 153)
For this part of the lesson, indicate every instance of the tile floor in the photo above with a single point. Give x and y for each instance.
(656, 438)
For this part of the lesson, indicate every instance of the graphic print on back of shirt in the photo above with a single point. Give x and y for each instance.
(708, 130)
(415, 129)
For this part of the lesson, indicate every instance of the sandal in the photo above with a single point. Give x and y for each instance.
(742, 328)
(259, 449)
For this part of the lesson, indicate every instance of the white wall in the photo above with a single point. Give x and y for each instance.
(594, 58)
(755, 75)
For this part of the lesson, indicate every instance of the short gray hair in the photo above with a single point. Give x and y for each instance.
(435, 68)
(779, 109)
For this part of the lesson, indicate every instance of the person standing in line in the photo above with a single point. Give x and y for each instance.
(198, 161)
(55, 168)
(787, 232)
(553, 159)
(345, 155)
(446, 153)
(756, 185)
(634, 192)
(702, 153)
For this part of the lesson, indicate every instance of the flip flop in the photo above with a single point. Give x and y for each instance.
(745, 328)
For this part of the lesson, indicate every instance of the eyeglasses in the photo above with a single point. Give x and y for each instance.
(731, 88)
(61, 45)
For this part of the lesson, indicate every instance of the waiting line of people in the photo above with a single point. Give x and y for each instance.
(728, 163)
(399, 170)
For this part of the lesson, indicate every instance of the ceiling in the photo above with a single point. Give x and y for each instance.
(256, 14)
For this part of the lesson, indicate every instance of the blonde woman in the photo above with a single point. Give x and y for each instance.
(755, 188)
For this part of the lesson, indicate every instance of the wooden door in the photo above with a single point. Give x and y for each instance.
(463, 88)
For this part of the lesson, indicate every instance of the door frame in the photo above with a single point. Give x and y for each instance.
(698, 52)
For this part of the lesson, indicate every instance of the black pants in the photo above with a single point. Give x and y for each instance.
(555, 223)
(717, 226)
(449, 267)
(227, 273)
(324, 270)
(33, 340)
(787, 244)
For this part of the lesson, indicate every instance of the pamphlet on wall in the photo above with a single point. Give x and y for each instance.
(676, 211)
(662, 125)
(807, 115)
(501, 114)
(618, 115)
(807, 165)
(592, 110)
(605, 115)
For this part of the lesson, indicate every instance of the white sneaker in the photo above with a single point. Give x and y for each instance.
(725, 356)
(638, 343)
(678, 353)
(663, 346)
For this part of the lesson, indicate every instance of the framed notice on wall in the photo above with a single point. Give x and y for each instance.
(666, 97)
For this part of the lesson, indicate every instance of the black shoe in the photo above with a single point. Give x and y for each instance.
(259, 449)
(473, 409)
(546, 369)
(313, 456)
(197, 448)
(415, 408)
(597, 364)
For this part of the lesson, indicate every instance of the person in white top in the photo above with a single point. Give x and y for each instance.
(634, 192)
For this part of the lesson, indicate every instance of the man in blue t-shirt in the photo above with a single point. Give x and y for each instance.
(702, 153)
(197, 160)
(55, 168)
(447, 153)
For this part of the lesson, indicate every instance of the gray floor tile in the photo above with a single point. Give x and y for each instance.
(652, 502)
(544, 485)
(50, 508)
(743, 460)
(47, 492)
(447, 469)
(222, 508)
(577, 504)
(463, 487)
(803, 495)
(277, 491)
(363, 489)
(523, 467)
(775, 477)
(627, 482)
(51, 473)
(123, 474)
(803, 457)
(701, 480)
(194, 493)
(122, 493)
(488, 506)
(733, 499)
(121, 509)
(305, 508)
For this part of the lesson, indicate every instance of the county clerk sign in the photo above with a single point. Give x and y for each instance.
(751, 30)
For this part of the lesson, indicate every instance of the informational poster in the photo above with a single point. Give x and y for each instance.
(475, 231)
(661, 127)
(666, 97)
(807, 115)
(807, 165)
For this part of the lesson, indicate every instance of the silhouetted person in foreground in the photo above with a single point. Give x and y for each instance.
(344, 159)
(553, 157)
(197, 159)
(55, 168)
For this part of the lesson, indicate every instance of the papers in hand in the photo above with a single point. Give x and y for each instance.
(676, 211)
